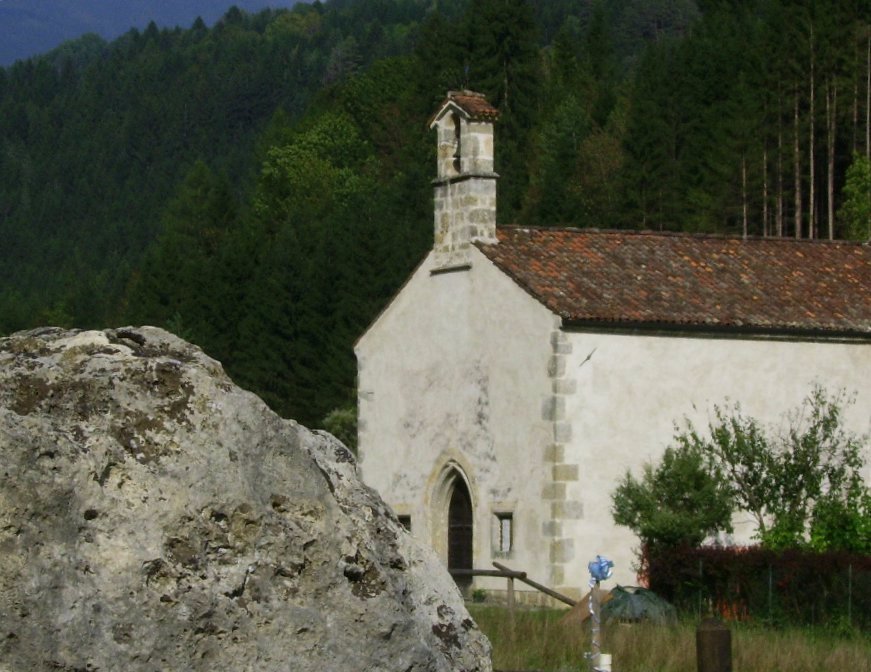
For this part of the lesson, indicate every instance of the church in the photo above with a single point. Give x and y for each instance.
(519, 372)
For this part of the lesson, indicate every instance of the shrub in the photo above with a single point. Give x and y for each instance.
(791, 586)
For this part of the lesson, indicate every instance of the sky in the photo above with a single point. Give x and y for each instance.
(31, 27)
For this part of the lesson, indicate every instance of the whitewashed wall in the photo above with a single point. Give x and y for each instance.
(456, 370)
(631, 389)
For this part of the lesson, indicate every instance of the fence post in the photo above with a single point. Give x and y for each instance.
(850, 594)
(510, 599)
(713, 646)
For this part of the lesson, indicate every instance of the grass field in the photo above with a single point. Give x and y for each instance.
(539, 640)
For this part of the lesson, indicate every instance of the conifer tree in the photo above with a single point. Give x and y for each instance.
(502, 62)
(855, 212)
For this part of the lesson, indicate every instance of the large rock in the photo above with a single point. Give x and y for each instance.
(154, 516)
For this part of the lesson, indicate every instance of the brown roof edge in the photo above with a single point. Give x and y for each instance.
(718, 330)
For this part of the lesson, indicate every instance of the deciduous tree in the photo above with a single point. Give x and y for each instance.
(803, 486)
(681, 501)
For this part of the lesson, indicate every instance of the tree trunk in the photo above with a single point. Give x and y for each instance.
(855, 144)
(831, 113)
(778, 222)
(765, 231)
(797, 170)
(811, 233)
(744, 196)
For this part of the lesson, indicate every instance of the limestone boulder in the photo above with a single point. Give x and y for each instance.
(154, 516)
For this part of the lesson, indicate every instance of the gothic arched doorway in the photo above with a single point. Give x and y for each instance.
(460, 531)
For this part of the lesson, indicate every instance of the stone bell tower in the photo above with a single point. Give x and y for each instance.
(465, 188)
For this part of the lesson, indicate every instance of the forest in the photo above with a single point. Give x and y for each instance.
(263, 187)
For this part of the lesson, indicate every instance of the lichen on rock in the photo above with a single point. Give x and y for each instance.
(154, 516)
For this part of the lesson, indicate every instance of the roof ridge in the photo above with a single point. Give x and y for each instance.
(466, 92)
(681, 234)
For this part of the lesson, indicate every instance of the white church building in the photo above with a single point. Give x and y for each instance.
(520, 372)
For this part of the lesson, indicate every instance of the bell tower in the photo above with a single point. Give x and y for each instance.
(465, 186)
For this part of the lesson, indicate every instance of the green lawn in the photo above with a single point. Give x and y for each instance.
(540, 640)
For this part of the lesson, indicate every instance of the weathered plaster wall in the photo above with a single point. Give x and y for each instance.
(456, 371)
(628, 391)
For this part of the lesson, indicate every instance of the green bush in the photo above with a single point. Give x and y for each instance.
(342, 423)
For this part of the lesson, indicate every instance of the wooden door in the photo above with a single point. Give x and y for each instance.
(460, 532)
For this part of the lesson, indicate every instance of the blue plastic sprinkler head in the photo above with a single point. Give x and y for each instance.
(600, 568)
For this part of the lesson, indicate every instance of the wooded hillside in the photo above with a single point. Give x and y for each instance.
(263, 187)
(31, 27)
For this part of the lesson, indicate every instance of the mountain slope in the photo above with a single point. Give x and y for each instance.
(262, 187)
(31, 27)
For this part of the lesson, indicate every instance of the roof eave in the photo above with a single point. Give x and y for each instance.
(448, 104)
(719, 330)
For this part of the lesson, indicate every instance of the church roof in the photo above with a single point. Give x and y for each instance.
(473, 104)
(635, 279)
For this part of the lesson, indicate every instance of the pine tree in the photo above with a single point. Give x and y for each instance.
(503, 63)
(855, 213)
(178, 283)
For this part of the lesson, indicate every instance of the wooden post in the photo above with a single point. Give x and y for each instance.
(511, 595)
(713, 646)
(511, 606)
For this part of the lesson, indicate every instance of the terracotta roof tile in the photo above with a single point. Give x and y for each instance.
(660, 279)
(473, 104)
